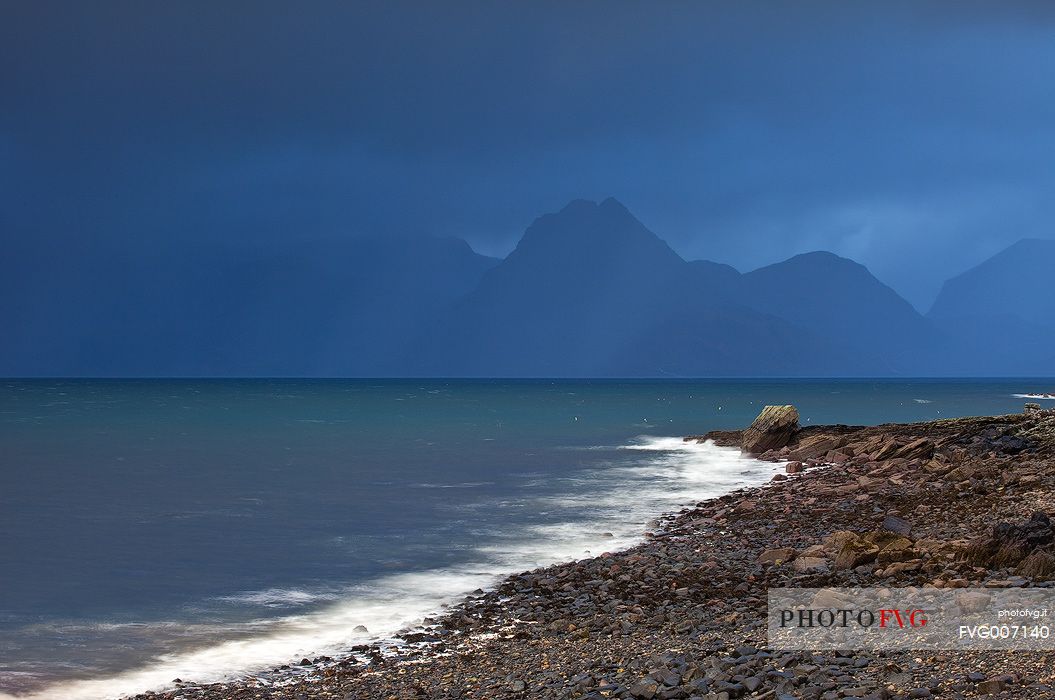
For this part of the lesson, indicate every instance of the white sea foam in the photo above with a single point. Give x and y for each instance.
(461, 485)
(605, 509)
(687, 471)
(280, 597)
(383, 607)
(1046, 397)
(667, 444)
(616, 504)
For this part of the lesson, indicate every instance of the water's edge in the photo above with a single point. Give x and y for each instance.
(330, 631)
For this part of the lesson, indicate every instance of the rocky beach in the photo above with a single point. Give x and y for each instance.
(948, 504)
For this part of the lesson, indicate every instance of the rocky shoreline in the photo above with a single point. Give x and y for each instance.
(950, 504)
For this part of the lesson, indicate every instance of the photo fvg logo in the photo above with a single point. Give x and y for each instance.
(910, 618)
(865, 618)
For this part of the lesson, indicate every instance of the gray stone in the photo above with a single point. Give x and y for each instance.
(646, 688)
(991, 687)
(897, 525)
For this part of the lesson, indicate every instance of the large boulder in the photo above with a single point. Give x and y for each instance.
(773, 429)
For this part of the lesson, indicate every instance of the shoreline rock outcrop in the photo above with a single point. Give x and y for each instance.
(771, 430)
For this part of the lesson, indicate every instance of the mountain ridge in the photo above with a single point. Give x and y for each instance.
(588, 291)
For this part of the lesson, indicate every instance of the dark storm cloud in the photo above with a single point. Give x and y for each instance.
(917, 138)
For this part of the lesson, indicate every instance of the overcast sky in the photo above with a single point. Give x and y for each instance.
(916, 138)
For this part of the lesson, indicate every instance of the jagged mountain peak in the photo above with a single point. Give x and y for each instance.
(587, 230)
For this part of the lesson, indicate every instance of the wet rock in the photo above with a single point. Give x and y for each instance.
(899, 568)
(921, 448)
(888, 450)
(991, 687)
(996, 439)
(897, 525)
(724, 438)
(835, 541)
(810, 564)
(646, 688)
(854, 553)
(1034, 532)
(1010, 543)
(892, 547)
(666, 677)
(1039, 565)
(816, 446)
(776, 556)
(771, 430)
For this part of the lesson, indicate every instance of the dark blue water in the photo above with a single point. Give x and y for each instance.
(150, 529)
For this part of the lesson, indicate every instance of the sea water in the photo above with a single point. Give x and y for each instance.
(208, 529)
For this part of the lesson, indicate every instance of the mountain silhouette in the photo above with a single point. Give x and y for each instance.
(588, 291)
(578, 286)
(1001, 313)
(1017, 281)
(841, 300)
